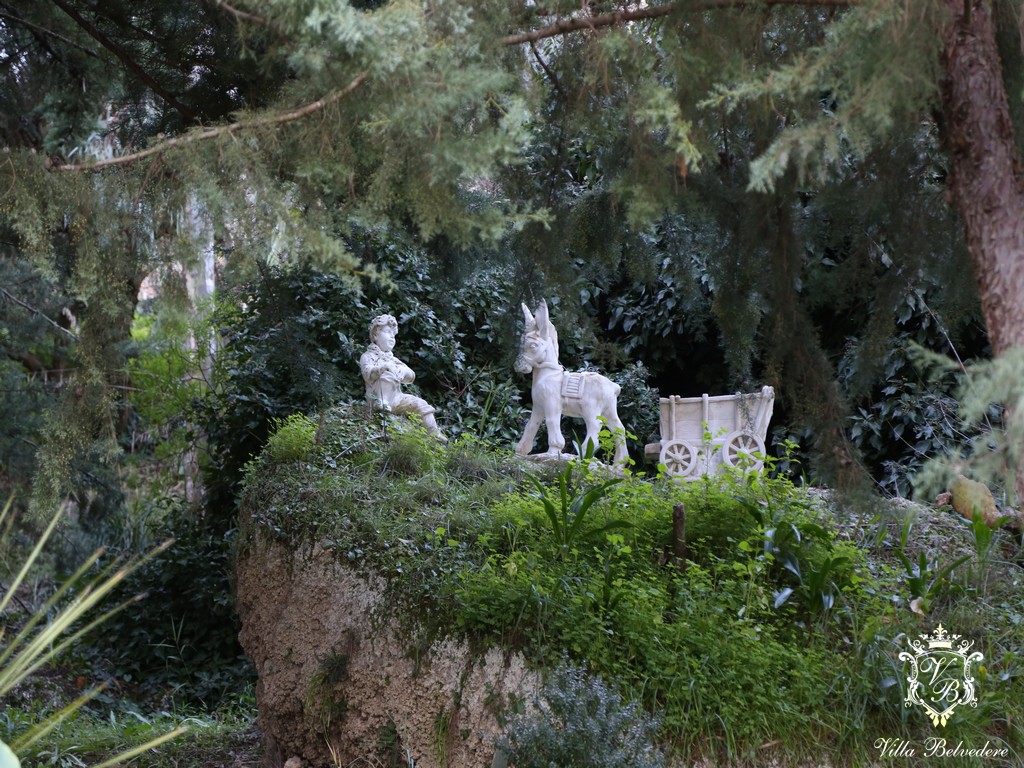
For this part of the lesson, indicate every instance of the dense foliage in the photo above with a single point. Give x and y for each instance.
(640, 166)
(579, 716)
(774, 626)
(35, 355)
(178, 646)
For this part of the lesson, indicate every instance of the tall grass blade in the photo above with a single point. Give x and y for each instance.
(30, 561)
(124, 757)
(34, 646)
(42, 612)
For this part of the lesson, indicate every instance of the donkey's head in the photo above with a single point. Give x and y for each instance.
(539, 346)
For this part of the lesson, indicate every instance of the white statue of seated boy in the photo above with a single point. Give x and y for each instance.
(384, 375)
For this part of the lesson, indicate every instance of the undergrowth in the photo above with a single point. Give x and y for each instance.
(92, 735)
(771, 631)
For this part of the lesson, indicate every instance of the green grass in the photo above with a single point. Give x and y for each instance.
(93, 735)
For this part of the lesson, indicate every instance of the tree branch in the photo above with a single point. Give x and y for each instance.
(36, 311)
(547, 71)
(125, 59)
(212, 133)
(575, 24)
(48, 33)
(239, 14)
(565, 26)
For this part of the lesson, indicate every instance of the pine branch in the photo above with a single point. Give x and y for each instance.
(547, 71)
(48, 32)
(567, 26)
(37, 311)
(125, 59)
(239, 14)
(213, 133)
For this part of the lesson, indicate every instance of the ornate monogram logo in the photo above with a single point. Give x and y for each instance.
(940, 678)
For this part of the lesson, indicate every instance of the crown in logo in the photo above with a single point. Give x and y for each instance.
(940, 639)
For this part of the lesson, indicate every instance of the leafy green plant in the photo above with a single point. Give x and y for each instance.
(984, 534)
(925, 577)
(182, 641)
(718, 515)
(611, 583)
(787, 541)
(322, 704)
(409, 451)
(910, 416)
(567, 513)
(578, 719)
(292, 438)
(63, 619)
(818, 584)
(393, 754)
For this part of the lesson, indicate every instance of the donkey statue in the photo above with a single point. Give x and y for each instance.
(584, 395)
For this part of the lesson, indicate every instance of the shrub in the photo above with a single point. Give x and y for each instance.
(409, 450)
(293, 439)
(718, 515)
(579, 720)
(182, 639)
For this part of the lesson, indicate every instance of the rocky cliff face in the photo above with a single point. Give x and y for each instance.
(341, 677)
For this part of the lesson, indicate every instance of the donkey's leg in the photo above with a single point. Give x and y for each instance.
(591, 443)
(525, 444)
(553, 421)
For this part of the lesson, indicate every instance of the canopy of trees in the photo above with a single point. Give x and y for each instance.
(779, 180)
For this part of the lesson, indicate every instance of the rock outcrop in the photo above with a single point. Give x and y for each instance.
(342, 677)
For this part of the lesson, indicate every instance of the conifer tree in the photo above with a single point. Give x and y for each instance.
(291, 122)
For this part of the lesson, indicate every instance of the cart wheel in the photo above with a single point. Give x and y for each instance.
(678, 457)
(743, 450)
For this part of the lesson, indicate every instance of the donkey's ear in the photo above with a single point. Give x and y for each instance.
(531, 323)
(543, 319)
(545, 327)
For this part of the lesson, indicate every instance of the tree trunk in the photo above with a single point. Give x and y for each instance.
(986, 183)
(201, 281)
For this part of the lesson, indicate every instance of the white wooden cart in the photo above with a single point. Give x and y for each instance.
(700, 435)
